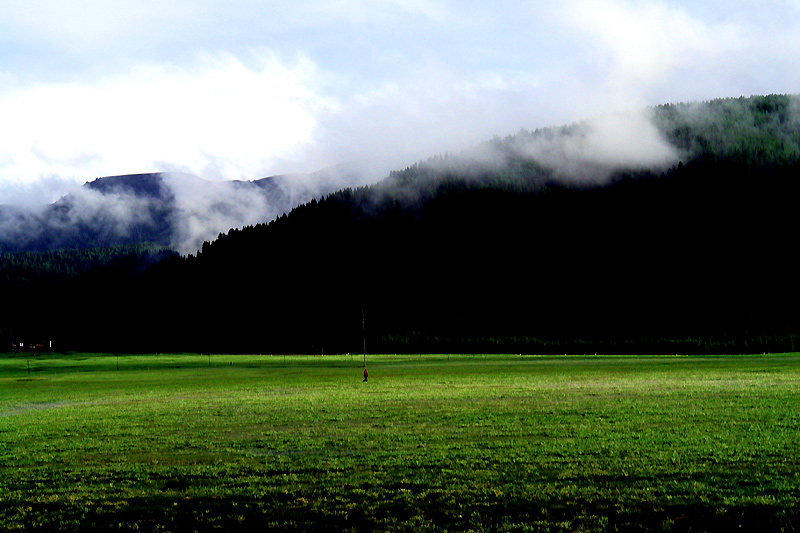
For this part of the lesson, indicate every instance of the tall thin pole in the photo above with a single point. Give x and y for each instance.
(364, 336)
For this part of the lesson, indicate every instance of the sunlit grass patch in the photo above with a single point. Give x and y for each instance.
(190, 442)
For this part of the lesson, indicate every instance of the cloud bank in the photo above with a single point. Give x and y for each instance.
(220, 118)
(246, 90)
(599, 146)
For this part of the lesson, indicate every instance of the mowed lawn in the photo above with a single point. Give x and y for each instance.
(430, 443)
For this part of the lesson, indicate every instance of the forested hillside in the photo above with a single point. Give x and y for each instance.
(495, 250)
(757, 131)
(38, 288)
(65, 264)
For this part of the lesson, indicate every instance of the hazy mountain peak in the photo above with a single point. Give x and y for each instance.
(173, 209)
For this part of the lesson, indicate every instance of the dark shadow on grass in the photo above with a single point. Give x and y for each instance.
(438, 511)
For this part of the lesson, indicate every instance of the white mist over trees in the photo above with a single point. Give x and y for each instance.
(241, 91)
(176, 210)
(182, 211)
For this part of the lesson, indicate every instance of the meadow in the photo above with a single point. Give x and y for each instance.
(429, 443)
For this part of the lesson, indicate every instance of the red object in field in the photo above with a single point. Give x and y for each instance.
(366, 374)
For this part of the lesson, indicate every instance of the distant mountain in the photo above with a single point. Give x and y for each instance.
(138, 185)
(175, 210)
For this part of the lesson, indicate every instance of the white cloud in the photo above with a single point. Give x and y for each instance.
(91, 88)
(598, 146)
(634, 47)
(219, 118)
(46, 189)
(652, 52)
(90, 23)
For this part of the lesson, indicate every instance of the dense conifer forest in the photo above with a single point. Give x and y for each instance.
(491, 250)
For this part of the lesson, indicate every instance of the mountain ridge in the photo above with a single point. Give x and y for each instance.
(175, 210)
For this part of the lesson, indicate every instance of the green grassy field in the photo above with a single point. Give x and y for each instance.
(430, 443)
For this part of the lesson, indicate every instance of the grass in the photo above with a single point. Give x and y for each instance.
(430, 443)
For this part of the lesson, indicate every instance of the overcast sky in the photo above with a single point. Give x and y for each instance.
(245, 89)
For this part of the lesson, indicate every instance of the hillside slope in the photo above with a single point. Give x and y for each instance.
(496, 250)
